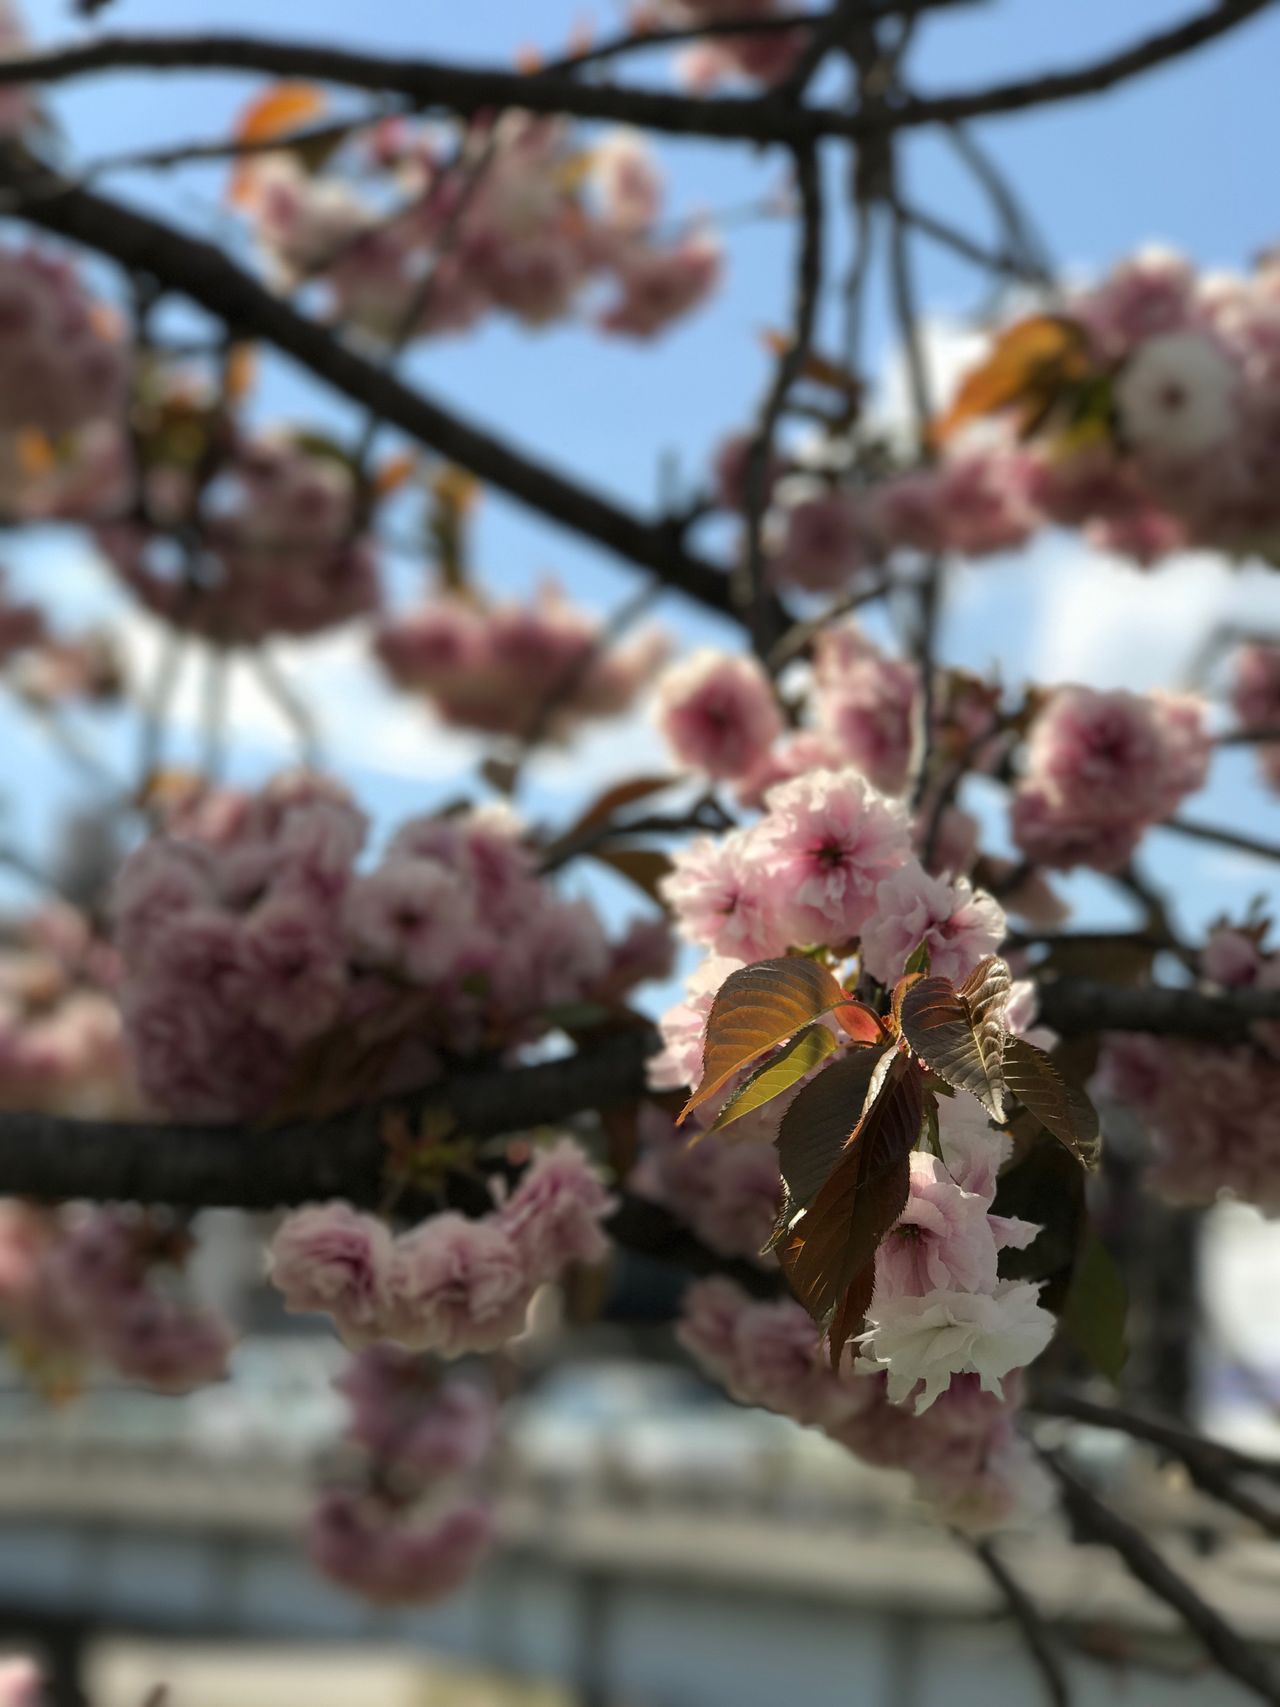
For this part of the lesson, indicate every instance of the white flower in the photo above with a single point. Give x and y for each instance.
(931, 1339)
(1177, 395)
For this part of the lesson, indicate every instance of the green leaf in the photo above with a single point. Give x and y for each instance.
(805, 1050)
(820, 1120)
(756, 1008)
(919, 960)
(959, 1033)
(1061, 1108)
(1096, 1307)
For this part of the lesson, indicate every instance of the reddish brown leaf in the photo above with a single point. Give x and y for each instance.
(959, 1033)
(827, 1249)
(645, 867)
(860, 1023)
(820, 1121)
(757, 1008)
(1062, 1108)
(621, 794)
(282, 108)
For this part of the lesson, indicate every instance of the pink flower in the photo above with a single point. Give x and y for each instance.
(294, 970)
(660, 285)
(727, 1189)
(366, 1546)
(404, 1415)
(459, 1286)
(818, 537)
(21, 1683)
(868, 710)
(730, 468)
(409, 916)
(828, 840)
(806, 750)
(330, 1258)
(626, 178)
(164, 1345)
(554, 1215)
(718, 713)
(942, 1240)
(725, 896)
(960, 925)
(1151, 293)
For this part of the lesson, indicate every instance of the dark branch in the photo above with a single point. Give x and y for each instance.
(468, 90)
(1223, 838)
(1026, 1614)
(1074, 1005)
(144, 245)
(1095, 1521)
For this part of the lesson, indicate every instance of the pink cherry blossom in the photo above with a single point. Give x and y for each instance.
(458, 1286)
(941, 1241)
(331, 1258)
(554, 1216)
(944, 1333)
(960, 925)
(718, 713)
(829, 839)
(724, 895)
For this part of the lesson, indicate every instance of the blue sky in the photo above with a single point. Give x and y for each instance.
(1178, 157)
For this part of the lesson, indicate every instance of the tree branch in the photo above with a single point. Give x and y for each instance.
(1027, 1615)
(1095, 1521)
(1073, 1005)
(469, 90)
(178, 262)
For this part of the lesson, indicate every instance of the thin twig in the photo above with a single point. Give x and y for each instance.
(1222, 838)
(1030, 1621)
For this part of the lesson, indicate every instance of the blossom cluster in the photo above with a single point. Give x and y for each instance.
(829, 863)
(1095, 772)
(82, 1286)
(1100, 768)
(248, 935)
(279, 544)
(63, 360)
(62, 1048)
(520, 220)
(450, 1285)
(936, 1387)
(1158, 433)
(399, 1524)
(1212, 1112)
(531, 670)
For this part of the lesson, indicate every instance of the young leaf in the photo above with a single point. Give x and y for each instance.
(919, 960)
(1094, 1313)
(858, 1021)
(819, 1122)
(613, 799)
(786, 1069)
(827, 1252)
(645, 867)
(1061, 1107)
(1031, 365)
(757, 1008)
(960, 1032)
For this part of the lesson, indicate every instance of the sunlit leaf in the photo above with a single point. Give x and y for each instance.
(280, 109)
(1061, 1107)
(959, 1033)
(1029, 365)
(756, 1008)
(798, 1058)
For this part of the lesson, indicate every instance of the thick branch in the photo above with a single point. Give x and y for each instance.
(1095, 1521)
(468, 89)
(202, 272)
(1074, 1005)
